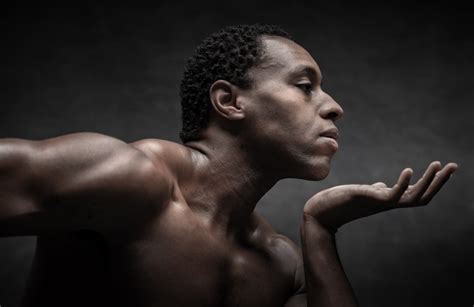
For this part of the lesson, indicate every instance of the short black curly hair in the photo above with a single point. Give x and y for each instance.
(227, 55)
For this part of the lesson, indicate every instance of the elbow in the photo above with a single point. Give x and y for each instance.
(16, 201)
(14, 157)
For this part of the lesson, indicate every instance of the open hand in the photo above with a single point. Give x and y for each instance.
(339, 205)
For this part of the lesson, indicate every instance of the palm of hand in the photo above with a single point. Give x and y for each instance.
(339, 205)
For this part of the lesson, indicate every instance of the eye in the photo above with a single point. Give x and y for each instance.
(305, 87)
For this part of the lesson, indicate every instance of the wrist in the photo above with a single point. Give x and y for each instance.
(310, 221)
(315, 236)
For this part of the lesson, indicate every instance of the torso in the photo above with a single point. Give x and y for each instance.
(175, 260)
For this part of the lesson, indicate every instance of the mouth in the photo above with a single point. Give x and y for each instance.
(332, 133)
(330, 136)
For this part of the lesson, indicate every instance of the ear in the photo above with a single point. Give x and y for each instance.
(223, 95)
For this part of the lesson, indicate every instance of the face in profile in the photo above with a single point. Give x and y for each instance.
(290, 120)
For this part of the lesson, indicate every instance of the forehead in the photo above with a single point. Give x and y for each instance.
(284, 56)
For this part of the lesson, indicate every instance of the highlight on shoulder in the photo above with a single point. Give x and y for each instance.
(177, 158)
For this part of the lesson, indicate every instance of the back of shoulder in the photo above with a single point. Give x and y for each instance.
(176, 158)
(87, 149)
(152, 163)
(147, 154)
(108, 182)
(84, 161)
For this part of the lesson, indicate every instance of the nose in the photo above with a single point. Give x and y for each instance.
(331, 109)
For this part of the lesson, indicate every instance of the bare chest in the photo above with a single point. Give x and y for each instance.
(174, 262)
(179, 263)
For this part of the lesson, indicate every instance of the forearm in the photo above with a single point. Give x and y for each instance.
(326, 282)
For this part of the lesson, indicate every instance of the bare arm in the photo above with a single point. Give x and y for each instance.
(326, 282)
(76, 181)
(319, 277)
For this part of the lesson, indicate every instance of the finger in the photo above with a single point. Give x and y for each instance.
(402, 184)
(439, 180)
(419, 188)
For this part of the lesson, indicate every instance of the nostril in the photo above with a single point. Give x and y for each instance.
(332, 115)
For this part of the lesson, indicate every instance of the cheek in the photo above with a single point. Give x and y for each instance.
(290, 115)
(279, 114)
(279, 107)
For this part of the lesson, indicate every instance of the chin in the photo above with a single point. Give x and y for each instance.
(321, 175)
(316, 172)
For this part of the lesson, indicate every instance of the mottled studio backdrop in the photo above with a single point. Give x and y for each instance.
(402, 73)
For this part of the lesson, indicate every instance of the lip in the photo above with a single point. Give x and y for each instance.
(330, 137)
(332, 133)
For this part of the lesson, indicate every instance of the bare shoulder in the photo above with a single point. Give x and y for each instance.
(263, 231)
(76, 155)
(84, 180)
(287, 252)
(87, 162)
(176, 157)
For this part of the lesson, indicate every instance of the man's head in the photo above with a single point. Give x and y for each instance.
(277, 114)
(227, 54)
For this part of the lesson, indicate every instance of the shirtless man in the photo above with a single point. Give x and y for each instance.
(155, 223)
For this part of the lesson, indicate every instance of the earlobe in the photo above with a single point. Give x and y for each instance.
(223, 96)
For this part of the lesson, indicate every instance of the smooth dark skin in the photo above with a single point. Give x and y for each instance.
(155, 223)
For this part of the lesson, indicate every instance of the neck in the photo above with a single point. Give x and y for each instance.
(227, 183)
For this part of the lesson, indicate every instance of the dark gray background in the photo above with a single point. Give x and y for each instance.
(403, 74)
